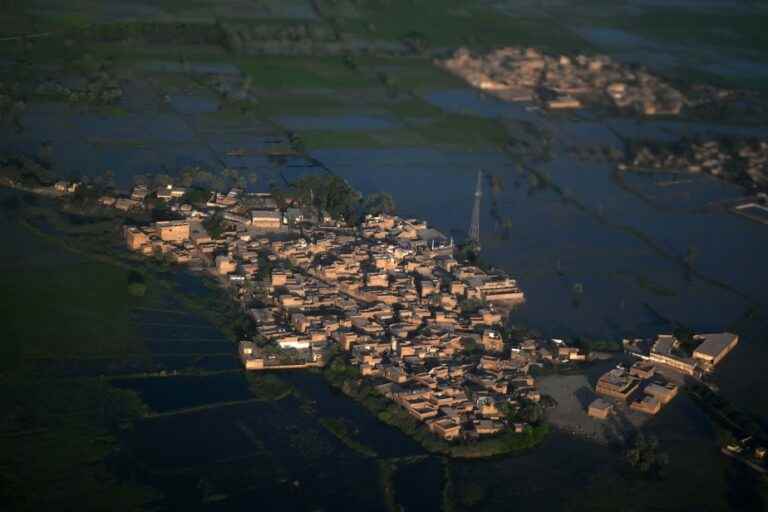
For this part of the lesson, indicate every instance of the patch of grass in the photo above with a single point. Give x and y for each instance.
(462, 131)
(61, 305)
(409, 73)
(302, 73)
(56, 433)
(689, 26)
(297, 103)
(345, 433)
(447, 131)
(449, 23)
(54, 438)
(321, 139)
(267, 386)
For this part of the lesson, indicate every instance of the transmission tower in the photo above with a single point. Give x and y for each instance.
(474, 227)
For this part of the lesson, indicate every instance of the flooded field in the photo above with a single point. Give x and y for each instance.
(599, 254)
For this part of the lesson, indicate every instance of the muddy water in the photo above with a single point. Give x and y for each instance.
(623, 251)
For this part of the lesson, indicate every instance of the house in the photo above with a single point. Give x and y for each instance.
(125, 204)
(617, 383)
(600, 409)
(266, 219)
(225, 265)
(135, 238)
(139, 193)
(663, 351)
(447, 428)
(642, 370)
(293, 216)
(663, 394)
(249, 355)
(714, 347)
(492, 341)
(647, 404)
(173, 230)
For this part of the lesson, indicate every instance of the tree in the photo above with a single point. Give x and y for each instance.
(378, 203)
(214, 224)
(328, 194)
(644, 455)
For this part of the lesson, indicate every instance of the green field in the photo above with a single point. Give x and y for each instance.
(56, 432)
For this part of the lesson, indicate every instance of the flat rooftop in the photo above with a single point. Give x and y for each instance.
(664, 344)
(714, 344)
(618, 378)
(600, 404)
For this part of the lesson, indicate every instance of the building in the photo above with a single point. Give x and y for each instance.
(617, 383)
(663, 351)
(663, 394)
(139, 193)
(600, 409)
(492, 341)
(135, 238)
(714, 347)
(249, 356)
(294, 343)
(126, 204)
(648, 404)
(564, 102)
(266, 219)
(173, 230)
(447, 428)
(642, 370)
(225, 265)
(501, 289)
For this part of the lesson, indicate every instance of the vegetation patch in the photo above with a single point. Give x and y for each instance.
(347, 434)
(267, 386)
(281, 72)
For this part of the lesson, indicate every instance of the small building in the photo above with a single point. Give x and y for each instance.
(293, 216)
(135, 238)
(600, 409)
(173, 230)
(294, 343)
(617, 383)
(225, 265)
(647, 404)
(249, 355)
(266, 219)
(664, 394)
(663, 351)
(714, 347)
(563, 102)
(447, 428)
(642, 370)
(126, 204)
(492, 341)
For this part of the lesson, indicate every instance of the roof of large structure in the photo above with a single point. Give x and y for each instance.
(715, 343)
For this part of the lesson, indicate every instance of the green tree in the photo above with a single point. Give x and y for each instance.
(378, 203)
(644, 455)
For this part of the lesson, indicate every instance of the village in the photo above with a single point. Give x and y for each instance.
(428, 330)
(740, 161)
(563, 82)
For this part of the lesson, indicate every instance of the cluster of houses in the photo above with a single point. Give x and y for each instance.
(638, 385)
(643, 387)
(388, 291)
(139, 195)
(562, 82)
(740, 161)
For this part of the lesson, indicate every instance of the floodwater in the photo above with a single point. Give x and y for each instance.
(647, 255)
(469, 102)
(598, 255)
(336, 123)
